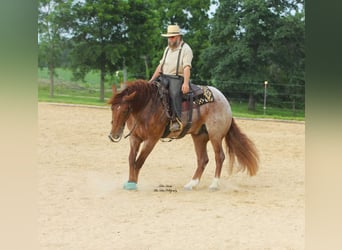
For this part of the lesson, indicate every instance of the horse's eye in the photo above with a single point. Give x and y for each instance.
(111, 122)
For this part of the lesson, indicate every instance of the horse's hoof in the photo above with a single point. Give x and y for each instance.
(213, 189)
(130, 185)
(191, 184)
(214, 185)
(188, 188)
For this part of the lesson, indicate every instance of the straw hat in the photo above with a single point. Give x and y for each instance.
(173, 30)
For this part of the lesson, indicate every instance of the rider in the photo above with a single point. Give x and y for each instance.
(174, 71)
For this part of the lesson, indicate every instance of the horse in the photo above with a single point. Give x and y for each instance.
(140, 107)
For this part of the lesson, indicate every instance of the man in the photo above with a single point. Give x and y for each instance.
(174, 71)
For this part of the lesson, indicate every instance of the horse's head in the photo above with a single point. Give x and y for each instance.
(121, 110)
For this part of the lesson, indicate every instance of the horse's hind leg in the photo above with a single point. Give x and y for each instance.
(200, 143)
(219, 159)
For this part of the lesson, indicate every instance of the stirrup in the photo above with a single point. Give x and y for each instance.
(174, 123)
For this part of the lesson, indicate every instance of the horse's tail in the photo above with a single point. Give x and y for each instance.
(241, 147)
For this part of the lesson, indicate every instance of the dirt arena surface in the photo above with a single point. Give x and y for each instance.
(82, 204)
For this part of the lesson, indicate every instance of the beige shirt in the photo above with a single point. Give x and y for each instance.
(169, 67)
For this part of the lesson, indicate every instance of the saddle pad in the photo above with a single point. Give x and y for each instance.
(205, 97)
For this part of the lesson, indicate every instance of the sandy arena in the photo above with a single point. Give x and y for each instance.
(82, 204)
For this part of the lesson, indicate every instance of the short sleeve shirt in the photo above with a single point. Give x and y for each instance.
(170, 64)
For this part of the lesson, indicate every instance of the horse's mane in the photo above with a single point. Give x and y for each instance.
(145, 91)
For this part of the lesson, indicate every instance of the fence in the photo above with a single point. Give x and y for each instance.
(279, 95)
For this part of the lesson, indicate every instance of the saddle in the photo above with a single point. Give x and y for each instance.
(201, 95)
(197, 96)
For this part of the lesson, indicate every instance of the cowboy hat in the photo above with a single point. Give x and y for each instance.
(173, 30)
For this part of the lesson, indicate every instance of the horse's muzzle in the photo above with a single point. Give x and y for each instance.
(115, 138)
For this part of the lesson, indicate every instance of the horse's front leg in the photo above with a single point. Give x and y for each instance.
(131, 184)
(136, 163)
(144, 153)
(200, 143)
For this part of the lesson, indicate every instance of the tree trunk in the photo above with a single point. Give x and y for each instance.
(51, 72)
(147, 70)
(251, 102)
(102, 80)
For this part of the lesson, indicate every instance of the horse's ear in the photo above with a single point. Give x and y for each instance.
(129, 97)
(114, 91)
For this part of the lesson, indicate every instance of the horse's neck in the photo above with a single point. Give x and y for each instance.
(152, 112)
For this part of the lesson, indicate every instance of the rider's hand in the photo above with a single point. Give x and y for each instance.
(185, 88)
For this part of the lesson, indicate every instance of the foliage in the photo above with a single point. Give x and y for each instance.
(141, 22)
(249, 40)
(98, 37)
(242, 44)
(53, 18)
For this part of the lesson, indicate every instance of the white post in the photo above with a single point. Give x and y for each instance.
(265, 94)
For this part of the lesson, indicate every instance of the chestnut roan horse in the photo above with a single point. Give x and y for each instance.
(140, 106)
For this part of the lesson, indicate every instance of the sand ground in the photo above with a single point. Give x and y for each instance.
(82, 204)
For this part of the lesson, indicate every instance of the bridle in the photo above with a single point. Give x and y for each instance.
(127, 112)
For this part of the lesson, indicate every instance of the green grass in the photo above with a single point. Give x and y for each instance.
(66, 90)
(241, 110)
(88, 93)
(65, 75)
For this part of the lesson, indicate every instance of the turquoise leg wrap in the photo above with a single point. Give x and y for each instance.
(130, 185)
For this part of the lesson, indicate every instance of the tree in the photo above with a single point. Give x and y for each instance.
(290, 57)
(99, 37)
(52, 27)
(142, 30)
(244, 45)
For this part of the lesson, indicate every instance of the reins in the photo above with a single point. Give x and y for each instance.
(131, 131)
